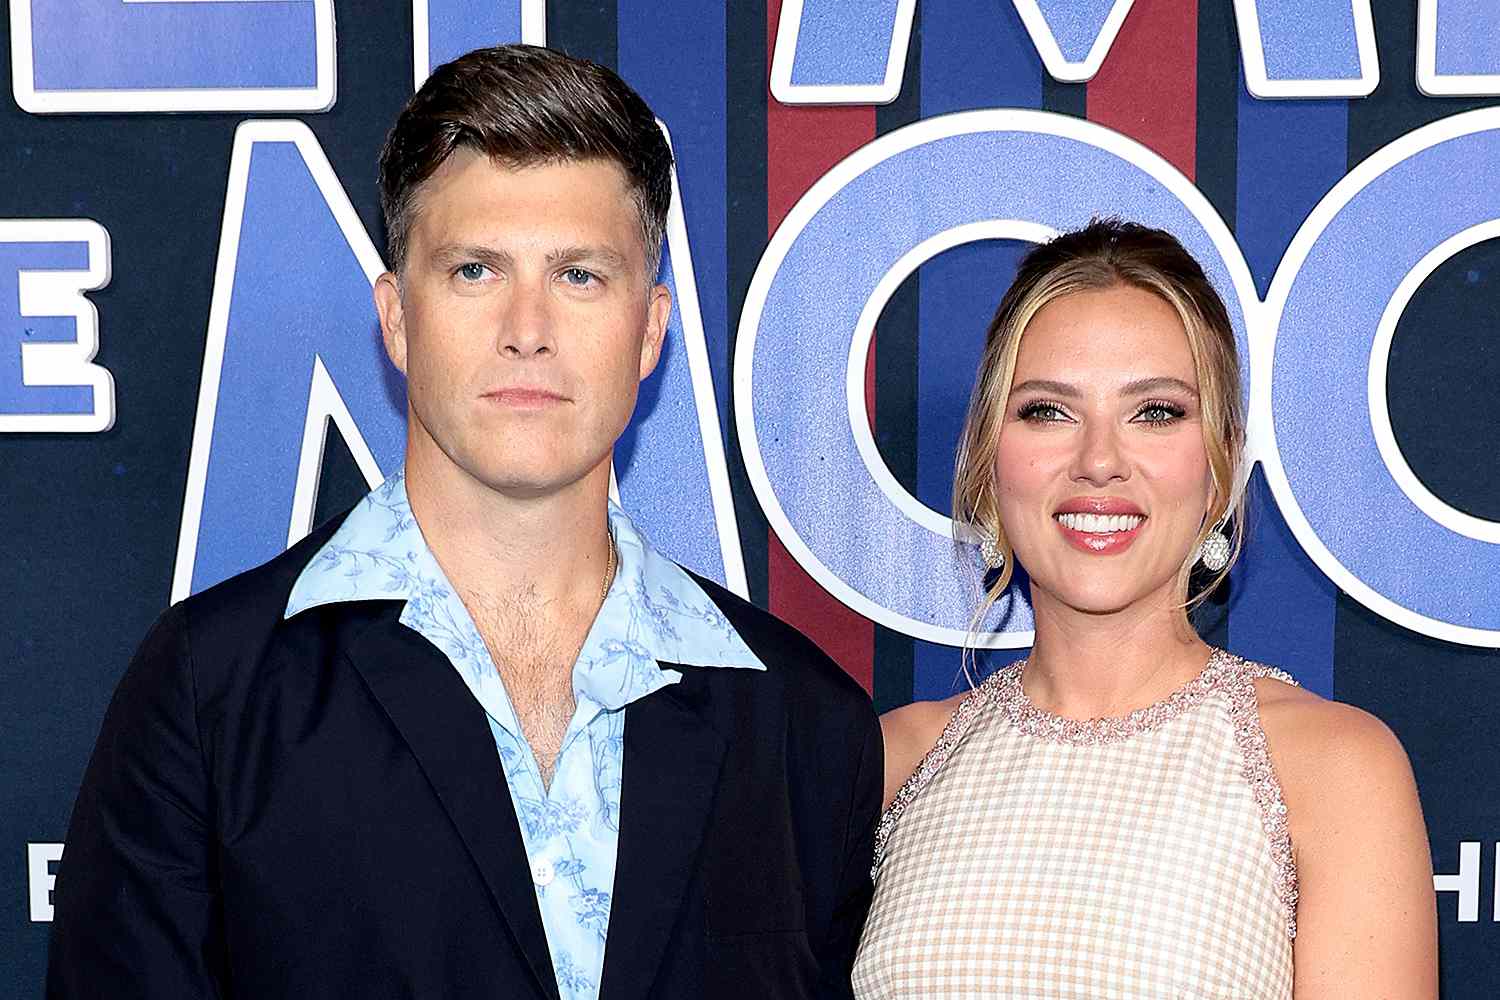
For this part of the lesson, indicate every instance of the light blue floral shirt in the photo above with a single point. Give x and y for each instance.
(653, 612)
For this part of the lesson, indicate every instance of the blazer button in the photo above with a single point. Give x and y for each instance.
(542, 872)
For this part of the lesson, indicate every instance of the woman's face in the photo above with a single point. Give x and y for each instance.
(1101, 472)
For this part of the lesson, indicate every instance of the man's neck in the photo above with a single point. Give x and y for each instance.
(553, 548)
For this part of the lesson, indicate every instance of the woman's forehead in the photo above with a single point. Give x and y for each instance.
(1118, 334)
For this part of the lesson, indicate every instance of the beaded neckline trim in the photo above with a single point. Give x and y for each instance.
(1244, 709)
(1044, 725)
(1224, 672)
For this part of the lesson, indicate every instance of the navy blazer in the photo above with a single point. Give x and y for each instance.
(314, 807)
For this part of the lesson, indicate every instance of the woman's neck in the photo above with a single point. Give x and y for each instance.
(1085, 665)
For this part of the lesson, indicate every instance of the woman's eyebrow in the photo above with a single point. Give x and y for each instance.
(1047, 385)
(1157, 384)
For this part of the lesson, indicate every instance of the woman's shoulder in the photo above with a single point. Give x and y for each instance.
(1365, 915)
(1315, 734)
(1334, 761)
(910, 731)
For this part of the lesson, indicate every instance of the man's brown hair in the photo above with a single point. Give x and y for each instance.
(522, 105)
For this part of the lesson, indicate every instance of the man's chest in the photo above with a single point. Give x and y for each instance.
(534, 656)
(542, 698)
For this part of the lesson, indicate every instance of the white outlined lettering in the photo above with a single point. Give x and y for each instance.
(40, 857)
(527, 20)
(1460, 16)
(190, 94)
(60, 293)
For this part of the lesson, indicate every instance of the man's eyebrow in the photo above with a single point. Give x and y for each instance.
(457, 253)
(605, 255)
(1158, 384)
(450, 254)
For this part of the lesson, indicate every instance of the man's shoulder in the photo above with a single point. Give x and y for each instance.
(256, 598)
(797, 661)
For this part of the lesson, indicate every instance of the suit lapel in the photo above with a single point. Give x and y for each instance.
(446, 731)
(673, 755)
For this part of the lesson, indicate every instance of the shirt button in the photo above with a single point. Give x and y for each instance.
(542, 872)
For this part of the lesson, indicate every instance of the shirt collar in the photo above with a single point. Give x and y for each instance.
(654, 611)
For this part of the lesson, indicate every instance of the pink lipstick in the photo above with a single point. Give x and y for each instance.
(1100, 526)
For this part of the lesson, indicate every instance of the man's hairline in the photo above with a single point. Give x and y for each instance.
(636, 192)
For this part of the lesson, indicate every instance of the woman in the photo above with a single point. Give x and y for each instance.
(1129, 813)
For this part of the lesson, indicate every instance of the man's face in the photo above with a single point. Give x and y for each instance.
(525, 321)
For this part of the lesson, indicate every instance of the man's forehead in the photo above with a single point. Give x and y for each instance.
(474, 167)
(470, 188)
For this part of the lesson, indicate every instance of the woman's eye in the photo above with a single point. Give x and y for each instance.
(1043, 413)
(1160, 413)
(472, 271)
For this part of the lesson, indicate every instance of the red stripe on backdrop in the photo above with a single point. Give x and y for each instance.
(802, 143)
(1148, 86)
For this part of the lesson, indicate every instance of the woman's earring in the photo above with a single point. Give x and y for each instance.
(1213, 551)
(990, 551)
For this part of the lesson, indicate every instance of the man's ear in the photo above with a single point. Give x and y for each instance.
(387, 293)
(658, 311)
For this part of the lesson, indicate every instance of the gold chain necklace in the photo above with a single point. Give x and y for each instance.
(609, 569)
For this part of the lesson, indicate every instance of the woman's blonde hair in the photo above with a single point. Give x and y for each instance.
(1106, 253)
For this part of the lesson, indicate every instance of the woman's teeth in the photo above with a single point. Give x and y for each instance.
(1099, 524)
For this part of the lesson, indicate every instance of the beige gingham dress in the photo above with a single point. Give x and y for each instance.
(1039, 858)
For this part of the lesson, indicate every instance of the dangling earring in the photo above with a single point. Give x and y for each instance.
(1213, 551)
(990, 551)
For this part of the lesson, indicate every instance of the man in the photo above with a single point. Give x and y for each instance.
(480, 739)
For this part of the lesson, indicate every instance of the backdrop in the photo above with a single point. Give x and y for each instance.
(190, 374)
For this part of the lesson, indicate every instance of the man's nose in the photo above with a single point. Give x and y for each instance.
(526, 324)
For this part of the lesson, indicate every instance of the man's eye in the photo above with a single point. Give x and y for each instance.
(578, 277)
(472, 271)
